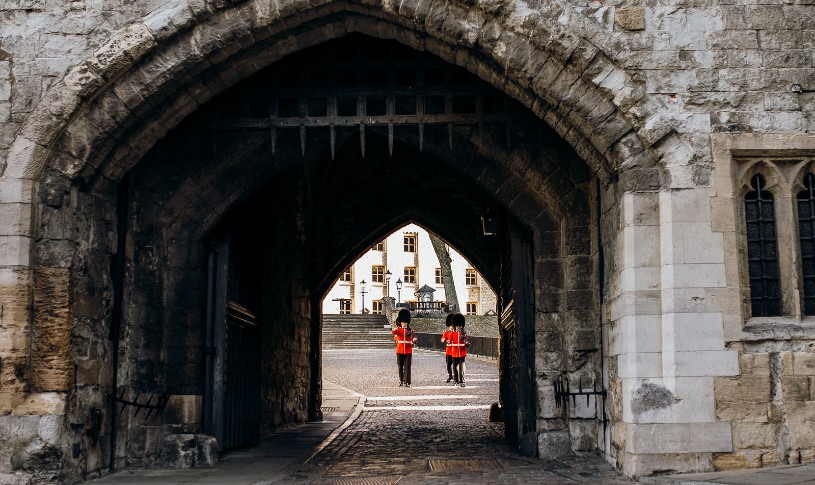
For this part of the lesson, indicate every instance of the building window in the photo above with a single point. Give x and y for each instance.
(377, 307)
(775, 263)
(345, 307)
(410, 243)
(410, 275)
(346, 275)
(806, 234)
(439, 277)
(762, 250)
(470, 277)
(377, 274)
(472, 308)
(380, 246)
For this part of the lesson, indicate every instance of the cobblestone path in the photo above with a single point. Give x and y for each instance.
(432, 432)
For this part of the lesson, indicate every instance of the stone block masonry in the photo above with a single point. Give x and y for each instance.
(771, 408)
(656, 118)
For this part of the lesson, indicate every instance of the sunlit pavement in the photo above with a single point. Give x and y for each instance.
(432, 432)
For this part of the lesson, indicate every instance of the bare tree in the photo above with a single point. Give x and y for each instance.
(443, 255)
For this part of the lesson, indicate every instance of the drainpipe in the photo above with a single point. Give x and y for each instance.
(117, 274)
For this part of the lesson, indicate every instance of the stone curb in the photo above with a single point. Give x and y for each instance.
(348, 421)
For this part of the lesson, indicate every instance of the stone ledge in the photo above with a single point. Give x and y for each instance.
(778, 328)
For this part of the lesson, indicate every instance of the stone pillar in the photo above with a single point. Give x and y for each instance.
(678, 342)
(33, 377)
(390, 306)
(634, 335)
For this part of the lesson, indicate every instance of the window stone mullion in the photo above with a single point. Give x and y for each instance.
(788, 261)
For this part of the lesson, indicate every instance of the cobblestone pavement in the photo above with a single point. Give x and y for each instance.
(432, 432)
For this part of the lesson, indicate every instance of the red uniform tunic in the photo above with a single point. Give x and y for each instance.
(459, 341)
(405, 339)
(446, 337)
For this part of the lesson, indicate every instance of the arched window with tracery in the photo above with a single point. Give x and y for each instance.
(762, 250)
(806, 235)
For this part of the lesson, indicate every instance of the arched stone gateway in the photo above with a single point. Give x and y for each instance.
(128, 213)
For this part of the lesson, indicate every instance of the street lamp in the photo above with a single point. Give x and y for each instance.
(362, 290)
(388, 283)
(399, 291)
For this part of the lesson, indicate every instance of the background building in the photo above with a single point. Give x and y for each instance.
(407, 255)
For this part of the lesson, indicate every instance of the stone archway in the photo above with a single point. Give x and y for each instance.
(333, 244)
(137, 88)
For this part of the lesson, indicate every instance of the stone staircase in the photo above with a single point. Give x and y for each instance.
(356, 332)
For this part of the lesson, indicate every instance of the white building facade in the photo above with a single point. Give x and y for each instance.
(406, 258)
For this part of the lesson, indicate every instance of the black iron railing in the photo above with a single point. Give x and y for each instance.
(427, 306)
(481, 346)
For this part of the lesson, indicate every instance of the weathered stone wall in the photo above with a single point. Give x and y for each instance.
(770, 405)
(639, 92)
(285, 369)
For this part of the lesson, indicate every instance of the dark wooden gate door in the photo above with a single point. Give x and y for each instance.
(241, 378)
(509, 373)
(517, 327)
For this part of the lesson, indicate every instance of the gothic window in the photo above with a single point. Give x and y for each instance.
(472, 308)
(806, 234)
(439, 277)
(762, 250)
(377, 307)
(345, 307)
(380, 246)
(346, 275)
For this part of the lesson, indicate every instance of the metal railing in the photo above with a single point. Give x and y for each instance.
(481, 346)
(427, 306)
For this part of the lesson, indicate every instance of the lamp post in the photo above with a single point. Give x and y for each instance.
(388, 283)
(399, 291)
(362, 291)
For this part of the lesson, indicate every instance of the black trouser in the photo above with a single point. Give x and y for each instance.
(403, 362)
(458, 369)
(449, 359)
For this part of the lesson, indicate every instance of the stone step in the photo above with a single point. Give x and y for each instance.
(356, 332)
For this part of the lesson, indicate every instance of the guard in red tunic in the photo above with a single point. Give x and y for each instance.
(459, 341)
(448, 352)
(405, 340)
